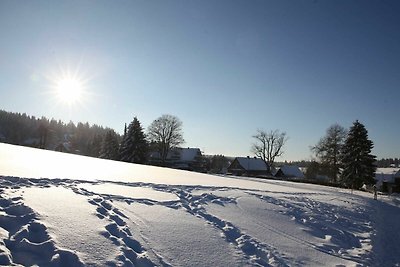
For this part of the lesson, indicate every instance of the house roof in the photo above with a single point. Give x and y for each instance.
(189, 154)
(292, 171)
(252, 164)
(181, 154)
(387, 170)
(386, 174)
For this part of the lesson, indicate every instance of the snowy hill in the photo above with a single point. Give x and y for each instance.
(69, 210)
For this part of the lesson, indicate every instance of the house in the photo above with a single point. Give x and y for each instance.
(181, 158)
(288, 171)
(387, 179)
(188, 159)
(249, 166)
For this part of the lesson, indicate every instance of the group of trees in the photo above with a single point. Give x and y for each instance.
(21, 129)
(345, 156)
(386, 163)
(163, 134)
(217, 163)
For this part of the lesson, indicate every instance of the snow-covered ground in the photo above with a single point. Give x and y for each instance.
(65, 210)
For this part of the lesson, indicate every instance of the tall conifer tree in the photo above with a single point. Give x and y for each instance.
(358, 162)
(109, 147)
(134, 146)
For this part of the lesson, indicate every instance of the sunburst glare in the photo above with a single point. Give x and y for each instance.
(68, 86)
(69, 90)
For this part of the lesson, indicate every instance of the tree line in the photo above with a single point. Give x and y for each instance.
(21, 129)
(388, 162)
(342, 155)
(163, 134)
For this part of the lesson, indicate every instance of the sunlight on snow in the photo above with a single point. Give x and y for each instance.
(35, 163)
(130, 191)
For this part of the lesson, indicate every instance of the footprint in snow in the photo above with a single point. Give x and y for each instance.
(26, 241)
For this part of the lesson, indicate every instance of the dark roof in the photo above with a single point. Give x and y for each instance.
(291, 171)
(252, 164)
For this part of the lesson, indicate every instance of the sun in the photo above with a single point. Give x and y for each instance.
(69, 85)
(69, 89)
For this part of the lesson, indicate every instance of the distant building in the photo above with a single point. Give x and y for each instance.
(288, 171)
(388, 179)
(249, 166)
(190, 159)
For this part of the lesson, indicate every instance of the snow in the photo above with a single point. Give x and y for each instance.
(69, 210)
(61, 207)
(254, 164)
(386, 175)
(189, 154)
(291, 171)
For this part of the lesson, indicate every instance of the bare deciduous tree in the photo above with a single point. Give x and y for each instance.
(269, 145)
(329, 149)
(166, 133)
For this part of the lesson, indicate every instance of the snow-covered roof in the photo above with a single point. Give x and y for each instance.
(189, 154)
(387, 170)
(386, 175)
(181, 154)
(252, 164)
(292, 171)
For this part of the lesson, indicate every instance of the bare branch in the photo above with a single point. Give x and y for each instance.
(166, 132)
(269, 145)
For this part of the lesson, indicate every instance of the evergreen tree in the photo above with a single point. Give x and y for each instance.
(316, 168)
(218, 163)
(122, 146)
(109, 147)
(358, 162)
(94, 146)
(134, 146)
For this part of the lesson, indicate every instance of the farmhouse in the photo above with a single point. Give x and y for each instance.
(181, 158)
(249, 166)
(388, 179)
(288, 171)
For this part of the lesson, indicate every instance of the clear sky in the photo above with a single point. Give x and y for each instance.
(225, 68)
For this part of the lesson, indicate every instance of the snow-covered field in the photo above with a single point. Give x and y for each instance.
(65, 210)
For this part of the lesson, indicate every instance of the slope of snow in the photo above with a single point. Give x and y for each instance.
(69, 210)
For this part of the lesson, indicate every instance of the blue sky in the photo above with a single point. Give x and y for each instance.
(225, 68)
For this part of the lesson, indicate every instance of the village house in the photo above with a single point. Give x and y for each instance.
(388, 179)
(249, 166)
(190, 159)
(288, 171)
